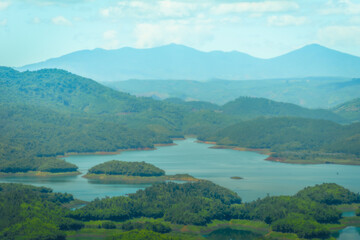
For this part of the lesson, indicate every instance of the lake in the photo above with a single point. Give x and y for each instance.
(261, 177)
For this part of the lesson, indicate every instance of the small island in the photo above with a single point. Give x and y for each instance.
(236, 177)
(48, 167)
(133, 172)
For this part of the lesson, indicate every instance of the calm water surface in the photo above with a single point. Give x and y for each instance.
(217, 165)
(349, 233)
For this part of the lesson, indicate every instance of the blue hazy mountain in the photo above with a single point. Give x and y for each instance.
(180, 62)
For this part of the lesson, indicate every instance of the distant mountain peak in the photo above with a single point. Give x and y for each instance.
(178, 62)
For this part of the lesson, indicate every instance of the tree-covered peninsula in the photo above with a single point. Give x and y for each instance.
(173, 211)
(132, 172)
(293, 140)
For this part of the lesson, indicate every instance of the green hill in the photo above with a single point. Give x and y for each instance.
(349, 110)
(194, 105)
(115, 167)
(62, 90)
(249, 107)
(294, 139)
(52, 112)
(32, 136)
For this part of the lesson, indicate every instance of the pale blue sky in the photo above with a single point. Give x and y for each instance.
(35, 30)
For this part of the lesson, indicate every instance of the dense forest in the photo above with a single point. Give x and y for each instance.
(38, 213)
(29, 212)
(349, 110)
(249, 108)
(115, 167)
(53, 112)
(298, 139)
(306, 214)
(32, 137)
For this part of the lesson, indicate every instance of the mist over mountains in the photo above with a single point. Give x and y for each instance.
(180, 62)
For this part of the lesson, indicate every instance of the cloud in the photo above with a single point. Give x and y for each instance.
(111, 41)
(255, 7)
(286, 20)
(340, 35)
(341, 7)
(144, 9)
(177, 9)
(36, 20)
(60, 20)
(3, 22)
(355, 20)
(4, 5)
(55, 2)
(192, 32)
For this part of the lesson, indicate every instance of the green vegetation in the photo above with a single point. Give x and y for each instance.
(141, 235)
(358, 212)
(302, 226)
(151, 226)
(194, 105)
(190, 203)
(349, 110)
(236, 177)
(295, 140)
(32, 137)
(229, 233)
(115, 167)
(330, 194)
(310, 92)
(68, 113)
(249, 108)
(29, 212)
(132, 172)
(271, 209)
(203, 202)
(170, 211)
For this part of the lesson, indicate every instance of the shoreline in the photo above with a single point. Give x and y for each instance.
(39, 174)
(262, 151)
(63, 174)
(139, 179)
(119, 151)
(281, 160)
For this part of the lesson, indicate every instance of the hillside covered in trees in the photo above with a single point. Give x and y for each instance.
(203, 202)
(52, 112)
(350, 109)
(294, 139)
(29, 212)
(115, 167)
(249, 108)
(33, 136)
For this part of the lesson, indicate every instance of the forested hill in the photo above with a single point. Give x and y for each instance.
(62, 90)
(349, 110)
(51, 112)
(294, 139)
(249, 107)
(32, 136)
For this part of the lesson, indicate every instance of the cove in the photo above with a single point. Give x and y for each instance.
(261, 177)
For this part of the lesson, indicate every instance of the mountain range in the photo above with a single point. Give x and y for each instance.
(180, 62)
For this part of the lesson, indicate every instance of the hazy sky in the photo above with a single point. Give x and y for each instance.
(35, 30)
